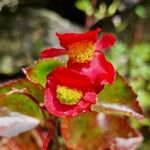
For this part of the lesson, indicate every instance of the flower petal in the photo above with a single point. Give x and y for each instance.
(72, 79)
(90, 97)
(52, 52)
(99, 70)
(105, 70)
(69, 38)
(107, 40)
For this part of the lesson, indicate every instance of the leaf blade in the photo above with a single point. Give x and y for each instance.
(118, 98)
(18, 113)
(34, 89)
(99, 131)
(39, 71)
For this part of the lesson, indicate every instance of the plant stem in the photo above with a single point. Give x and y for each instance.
(52, 123)
(90, 19)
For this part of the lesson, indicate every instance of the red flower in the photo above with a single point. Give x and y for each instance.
(84, 51)
(68, 93)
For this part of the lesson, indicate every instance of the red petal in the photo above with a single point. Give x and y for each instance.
(107, 40)
(72, 79)
(69, 38)
(56, 108)
(99, 70)
(105, 70)
(52, 52)
(90, 97)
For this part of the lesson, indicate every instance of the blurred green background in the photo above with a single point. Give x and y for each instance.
(28, 26)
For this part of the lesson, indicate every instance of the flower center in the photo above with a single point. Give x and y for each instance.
(68, 96)
(81, 52)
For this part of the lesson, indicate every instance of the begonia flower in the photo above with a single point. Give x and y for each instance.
(68, 92)
(85, 55)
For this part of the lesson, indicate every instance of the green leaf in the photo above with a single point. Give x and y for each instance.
(92, 131)
(118, 98)
(141, 11)
(113, 7)
(39, 71)
(18, 102)
(85, 6)
(101, 12)
(34, 89)
(18, 113)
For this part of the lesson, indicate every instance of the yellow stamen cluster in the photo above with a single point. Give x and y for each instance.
(81, 52)
(68, 96)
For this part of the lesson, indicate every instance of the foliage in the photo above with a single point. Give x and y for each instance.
(101, 11)
(134, 61)
(122, 101)
(100, 130)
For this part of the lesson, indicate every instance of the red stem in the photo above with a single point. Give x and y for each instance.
(32, 98)
(94, 3)
(48, 137)
(90, 19)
